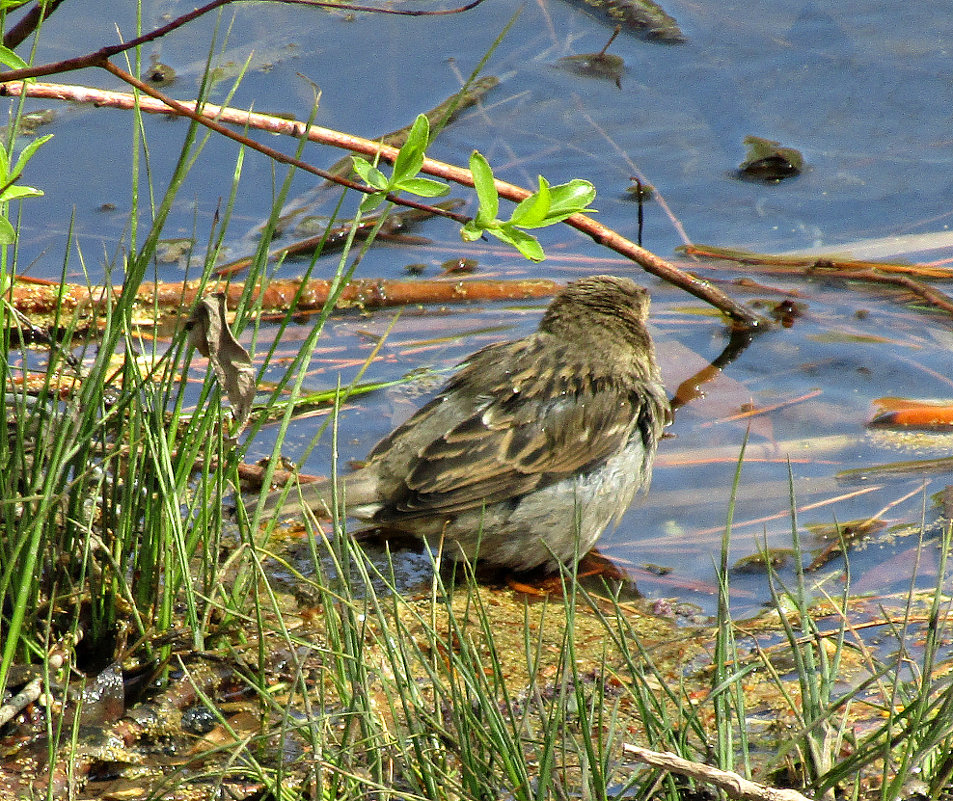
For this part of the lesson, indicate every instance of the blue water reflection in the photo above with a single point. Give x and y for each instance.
(863, 90)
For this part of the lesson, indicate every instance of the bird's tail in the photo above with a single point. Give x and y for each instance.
(356, 493)
(292, 501)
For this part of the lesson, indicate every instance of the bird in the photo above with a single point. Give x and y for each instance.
(529, 451)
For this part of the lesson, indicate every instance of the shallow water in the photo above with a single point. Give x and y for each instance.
(863, 90)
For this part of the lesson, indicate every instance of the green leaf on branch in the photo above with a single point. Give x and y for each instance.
(372, 201)
(424, 187)
(570, 198)
(471, 232)
(485, 187)
(410, 158)
(369, 173)
(546, 206)
(525, 243)
(531, 213)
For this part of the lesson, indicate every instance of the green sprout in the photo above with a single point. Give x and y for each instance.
(404, 177)
(547, 206)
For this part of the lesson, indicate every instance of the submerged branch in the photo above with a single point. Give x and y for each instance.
(335, 238)
(872, 272)
(797, 264)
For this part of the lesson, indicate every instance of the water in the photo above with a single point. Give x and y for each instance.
(863, 90)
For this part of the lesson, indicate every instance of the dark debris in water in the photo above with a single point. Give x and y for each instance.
(158, 74)
(762, 562)
(597, 65)
(638, 190)
(644, 18)
(459, 266)
(768, 162)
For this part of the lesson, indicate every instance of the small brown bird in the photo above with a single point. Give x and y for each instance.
(532, 448)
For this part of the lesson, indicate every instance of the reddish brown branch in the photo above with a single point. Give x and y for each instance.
(30, 298)
(28, 23)
(601, 234)
(98, 58)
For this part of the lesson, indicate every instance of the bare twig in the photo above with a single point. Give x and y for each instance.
(733, 784)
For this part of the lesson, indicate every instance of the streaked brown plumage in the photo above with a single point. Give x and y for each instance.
(532, 448)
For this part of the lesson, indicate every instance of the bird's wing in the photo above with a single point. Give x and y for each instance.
(517, 417)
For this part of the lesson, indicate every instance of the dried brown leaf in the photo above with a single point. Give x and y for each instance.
(209, 333)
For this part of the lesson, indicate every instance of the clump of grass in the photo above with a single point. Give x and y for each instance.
(826, 743)
(458, 692)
